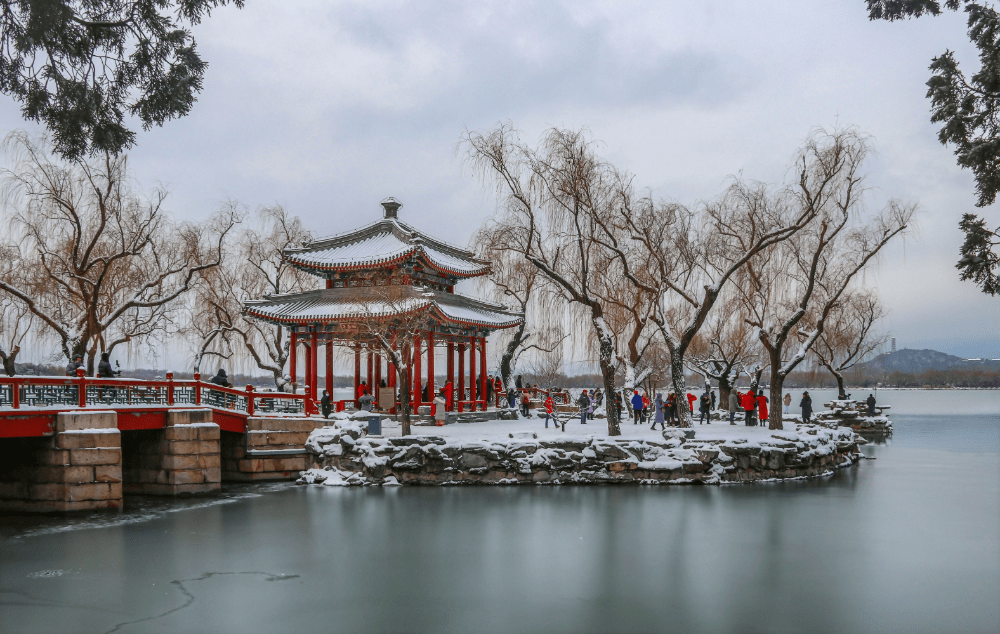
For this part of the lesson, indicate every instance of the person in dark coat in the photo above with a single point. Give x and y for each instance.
(519, 383)
(871, 404)
(324, 404)
(712, 394)
(807, 406)
(104, 369)
(512, 398)
(749, 403)
(221, 379)
(71, 367)
(636, 407)
(704, 408)
(584, 403)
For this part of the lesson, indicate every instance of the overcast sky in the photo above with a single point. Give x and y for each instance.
(328, 107)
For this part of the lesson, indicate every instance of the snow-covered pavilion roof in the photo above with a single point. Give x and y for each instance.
(382, 243)
(356, 303)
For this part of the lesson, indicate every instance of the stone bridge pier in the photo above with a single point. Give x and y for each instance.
(77, 468)
(87, 463)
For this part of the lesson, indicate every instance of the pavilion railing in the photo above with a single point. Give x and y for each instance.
(80, 391)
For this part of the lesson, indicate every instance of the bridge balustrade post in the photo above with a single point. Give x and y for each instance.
(82, 387)
(170, 388)
(250, 405)
(15, 394)
(197, 388)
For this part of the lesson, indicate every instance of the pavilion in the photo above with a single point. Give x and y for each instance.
(425, 271)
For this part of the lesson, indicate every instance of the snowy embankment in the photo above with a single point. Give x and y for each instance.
(511, 452)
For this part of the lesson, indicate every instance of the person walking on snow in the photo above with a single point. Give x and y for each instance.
(691, 399)
(584, 403)
(762, 408)
(734, 404)
(658, 413)
(524, 404)
(807, 406)
(787, 401)
(636, 407)
(325, 405)
(671, 408)
(645, 409)
(549, 405)
(512, 397)
(703, 408)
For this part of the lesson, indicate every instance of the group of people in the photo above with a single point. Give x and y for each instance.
(104, 369)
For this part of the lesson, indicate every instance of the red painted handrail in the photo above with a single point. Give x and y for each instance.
(170, 386)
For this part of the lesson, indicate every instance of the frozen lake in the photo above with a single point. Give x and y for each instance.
(907, 542)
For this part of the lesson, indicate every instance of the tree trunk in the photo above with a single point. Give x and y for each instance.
(607, 359)
(403, 381)
(507, 360)
(841, 391)
(774, 417)
(8, 360)
(680, 388)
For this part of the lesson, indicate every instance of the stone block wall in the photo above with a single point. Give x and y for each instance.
(78, 468)
(184, 458)
(249, 459)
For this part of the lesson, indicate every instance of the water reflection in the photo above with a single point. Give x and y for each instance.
(908, 542)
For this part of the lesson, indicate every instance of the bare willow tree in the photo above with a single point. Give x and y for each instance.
(628, 313)
(389, 318)
(850, 336)
(95, 261)
(253, 267)
(550, 199)
(792, 289)
(514, 280)
(16, 323)
(725, 349)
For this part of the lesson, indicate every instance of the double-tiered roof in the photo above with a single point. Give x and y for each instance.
(385, 253)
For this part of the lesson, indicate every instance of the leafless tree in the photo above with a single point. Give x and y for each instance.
(546, 362)
(725, 349)
(513, 280)
(849, 336)
(389, 318)
(102, 263)
(550, 199)
(792, 288)
(253, 267)
(16, 323)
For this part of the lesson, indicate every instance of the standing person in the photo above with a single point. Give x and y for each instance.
(691, 399)
(618, 404)
(489, 389)
(762, 408)
(590, 410)
(636, 407)
(324, 404)
(871, 404)
(658, 413)
(598, 397)
(704, 408)
(584, 403)
(671, 408)
(712, 394)
(104, 369)
(749, 402)
(512, 397)
(497, 389)
(440, 411)
(807, 406)
(449, 396)
(519, 383)
(524, 404)
(549, 406)
(221, 379)
(367, 401)
(71, 367)
(787, 401)
(645, 408)
(734, 403)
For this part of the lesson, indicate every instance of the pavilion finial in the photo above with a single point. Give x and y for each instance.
(391, 206)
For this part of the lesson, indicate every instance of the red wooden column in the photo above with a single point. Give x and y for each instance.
(371, 386)
(314, 368)
(461, 376)
(417, 391)
(450, 379)
(357, 375)
(430, 367)
(329, 369)
(482, 372)
(292, 360)
(472, 373)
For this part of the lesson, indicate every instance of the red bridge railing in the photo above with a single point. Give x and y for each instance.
(80, 391)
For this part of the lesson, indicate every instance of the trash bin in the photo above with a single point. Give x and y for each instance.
(374, 425)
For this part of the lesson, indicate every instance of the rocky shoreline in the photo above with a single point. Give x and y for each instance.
(343, 455)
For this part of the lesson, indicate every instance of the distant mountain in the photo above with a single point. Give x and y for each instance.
(907, 360)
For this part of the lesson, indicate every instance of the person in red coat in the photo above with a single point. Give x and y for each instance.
(748, 402)
(449, 395)
(549, 405)
(691, 399)
(762, 408)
